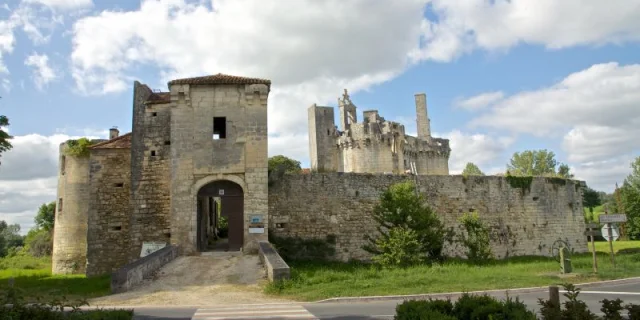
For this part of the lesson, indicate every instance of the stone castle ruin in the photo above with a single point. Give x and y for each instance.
(374, 145)
(196, 160)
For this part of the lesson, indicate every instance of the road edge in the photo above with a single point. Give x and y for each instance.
(452, 294)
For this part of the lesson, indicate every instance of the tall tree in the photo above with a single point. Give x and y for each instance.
(590, 199)
(46, 215)
(284, 163)
(630, 200)
(471, 169)
(9, 237)
(5, 145)
(537, 163)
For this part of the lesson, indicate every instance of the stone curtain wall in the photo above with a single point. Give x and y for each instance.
(108, 230)
(150, 175)
(524, 221)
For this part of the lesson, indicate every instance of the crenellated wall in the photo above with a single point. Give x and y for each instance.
(523, 221)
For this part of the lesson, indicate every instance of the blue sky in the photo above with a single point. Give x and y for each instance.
(500, 76)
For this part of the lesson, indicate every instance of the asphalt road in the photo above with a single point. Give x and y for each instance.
(379, 309)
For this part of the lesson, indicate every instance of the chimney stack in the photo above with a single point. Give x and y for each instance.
(113, 133)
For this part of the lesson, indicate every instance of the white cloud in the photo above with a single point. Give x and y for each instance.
(481, 149)
(480, 101)
(63, 4)
(28, 176)
(7, 42)
(596, 111)
(43, 74)
(465, 25)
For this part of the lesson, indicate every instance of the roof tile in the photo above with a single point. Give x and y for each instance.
(221, 79)
(121, 142)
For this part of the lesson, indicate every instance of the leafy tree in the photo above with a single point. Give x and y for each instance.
(590, 199)
(46, 215)
(401, 209)
(281, 162)
(472, 170)
(9, 237)
(476, 238)
(5, 145)
(630, 200)
(537, 163)
(39, 242)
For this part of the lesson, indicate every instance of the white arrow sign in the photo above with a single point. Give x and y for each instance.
(608, 218)
(614, 232)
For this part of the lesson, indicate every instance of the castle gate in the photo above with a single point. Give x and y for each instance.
(220, 216)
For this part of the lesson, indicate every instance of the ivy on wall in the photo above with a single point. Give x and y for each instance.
(78, 147)
(521, 182)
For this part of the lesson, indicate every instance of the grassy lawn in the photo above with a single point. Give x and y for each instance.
(314, 281)
(603, 246)
(33, 278)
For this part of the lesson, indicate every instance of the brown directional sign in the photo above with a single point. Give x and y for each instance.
(593, 233)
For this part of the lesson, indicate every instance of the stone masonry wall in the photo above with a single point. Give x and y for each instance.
(72, 206)
(198, 159)
(523, 222)
(108, 229)
(150, 176)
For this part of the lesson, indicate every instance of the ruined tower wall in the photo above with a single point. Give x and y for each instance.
(150, 175)
(108, 231)
(72, 206)
(369, 156)
(423, 123)
(198, 159)
(322, 139)
(524, 221)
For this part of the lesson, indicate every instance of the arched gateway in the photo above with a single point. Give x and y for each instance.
(220, 216)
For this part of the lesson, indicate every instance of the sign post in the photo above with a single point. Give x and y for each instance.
(592, 231)
(609, 219)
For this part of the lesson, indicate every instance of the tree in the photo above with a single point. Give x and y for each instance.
(9, 237)
(281, 162)
(402, 217)
(590, 199)
(46, 215)
(472, 170)
(5, 145)
(537, 163)
(630, 200)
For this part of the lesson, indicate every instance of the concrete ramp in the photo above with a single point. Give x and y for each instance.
(209, 279)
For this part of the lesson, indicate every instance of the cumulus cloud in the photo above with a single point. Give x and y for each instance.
(482, 149)
(28, 176)
(480, 101)
(42, 72)
(63, 4)
(596, 111)
(465, 25)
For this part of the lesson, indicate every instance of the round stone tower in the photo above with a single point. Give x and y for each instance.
(72, 206)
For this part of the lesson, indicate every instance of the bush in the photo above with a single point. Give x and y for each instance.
(468, 306)
(400, 249)
(475, 237)
(401, 207)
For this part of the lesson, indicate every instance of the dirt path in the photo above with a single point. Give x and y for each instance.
(200, 280)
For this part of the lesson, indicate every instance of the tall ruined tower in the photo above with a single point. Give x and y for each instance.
(348, 115)
(423, 122)
(322, 138)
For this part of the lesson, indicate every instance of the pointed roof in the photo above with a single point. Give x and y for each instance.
(220, 79)
(120, 142)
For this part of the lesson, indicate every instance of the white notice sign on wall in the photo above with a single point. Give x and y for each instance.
(151, 247)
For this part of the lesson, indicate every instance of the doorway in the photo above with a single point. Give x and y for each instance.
(220, 217)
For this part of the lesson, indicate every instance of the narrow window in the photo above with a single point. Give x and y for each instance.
(63, 163)
(328, 133)
(153, 153)
(154, 114)
(119, 185)
(59, 204)
(116, 228)
(166, 143)
(219, 128)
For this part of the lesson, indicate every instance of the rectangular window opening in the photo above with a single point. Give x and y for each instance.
(219, 128)
(166, 143)
(116, 228)
(154, 114)
(153, 153)
(63, 163)
(59, 204)
(119, 185)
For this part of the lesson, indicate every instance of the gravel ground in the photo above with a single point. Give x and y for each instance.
(200, 280)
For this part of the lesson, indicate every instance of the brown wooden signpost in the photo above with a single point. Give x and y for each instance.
(593, 231)
(609, 219)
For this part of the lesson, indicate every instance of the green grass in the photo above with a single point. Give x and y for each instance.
(314, 281)
(33, 278)
(603, 246)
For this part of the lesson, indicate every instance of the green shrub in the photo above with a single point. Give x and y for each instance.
(425, 310)
(299, 249)
(401, 207)
(475, 237)
(78, 148)
(400, 249)
(634, 311)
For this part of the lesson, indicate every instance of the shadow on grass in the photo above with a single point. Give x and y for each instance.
(45, 286)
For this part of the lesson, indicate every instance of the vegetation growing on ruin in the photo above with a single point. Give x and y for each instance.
(320, 280)
(298, 249)
(520, 182)
(475, 238)
(79, 147)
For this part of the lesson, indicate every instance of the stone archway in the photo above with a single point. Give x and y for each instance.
(220, 202)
